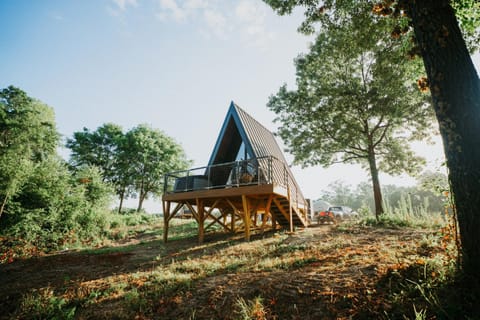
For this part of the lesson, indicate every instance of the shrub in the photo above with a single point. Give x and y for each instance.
(54, 207)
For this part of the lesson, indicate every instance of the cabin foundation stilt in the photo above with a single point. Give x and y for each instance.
(247, 217)
(201, 221)
(166, 216)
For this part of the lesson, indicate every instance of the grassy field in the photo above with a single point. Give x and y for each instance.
(346, 271)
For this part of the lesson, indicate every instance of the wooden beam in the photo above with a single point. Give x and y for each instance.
(232, 221)
(194, 212)
(166, 213)
(267, 212)
(201, 221)
(213, 206)
(246, 211)
(231, 205)
(175, 211)
(222, 193)
(236, 212)
(225, 216)
(290, 213)
(215, 219)
(254, 210)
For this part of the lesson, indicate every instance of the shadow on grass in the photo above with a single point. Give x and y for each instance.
(331, 283)
(59, 271)
(416, 291)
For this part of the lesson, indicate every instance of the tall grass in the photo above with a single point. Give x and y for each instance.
(404, 214)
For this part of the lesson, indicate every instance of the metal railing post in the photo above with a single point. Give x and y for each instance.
(208, 177)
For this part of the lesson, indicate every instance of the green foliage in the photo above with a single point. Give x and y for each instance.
(133, 162)
(27, 136)
(453, 81)
(151, 154)
(54, 206)
(403, 217)
(97, 148)
(352, 99)
(317, 14)
(43, 304)
(42, 202)
(354, 102)
(96, 191)
(27, 126)
(468, 15)
(433, 181)
(101, 148)
(409, 203)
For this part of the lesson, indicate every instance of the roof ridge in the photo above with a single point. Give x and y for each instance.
(252, 118)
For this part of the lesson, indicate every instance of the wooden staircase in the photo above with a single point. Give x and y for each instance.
(280, 210)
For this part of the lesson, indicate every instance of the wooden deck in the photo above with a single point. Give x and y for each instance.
(238, 209)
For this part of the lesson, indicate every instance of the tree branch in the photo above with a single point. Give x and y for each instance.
(382, 136)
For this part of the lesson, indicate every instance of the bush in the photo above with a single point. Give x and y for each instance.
(55, 208)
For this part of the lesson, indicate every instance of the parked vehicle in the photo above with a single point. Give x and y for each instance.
(342, 212)
(325, 217)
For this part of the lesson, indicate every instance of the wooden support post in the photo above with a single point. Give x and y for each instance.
(246, 212)
(201, 221)
(232, 222)
(267, 212)
(166, 219)
(290, 213)
(224, 218)
(234, 213)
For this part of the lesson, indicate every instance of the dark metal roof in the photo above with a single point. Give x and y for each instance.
(239, 126)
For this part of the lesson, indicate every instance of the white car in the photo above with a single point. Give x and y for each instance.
(343, 212)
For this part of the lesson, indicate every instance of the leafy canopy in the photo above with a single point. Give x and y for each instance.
(320, 12)
(27, 136)
(354, 99)
(151, 155)
(133, 162)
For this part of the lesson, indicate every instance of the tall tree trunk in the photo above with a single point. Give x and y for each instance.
(4, 203)
(455, 89)
(377, 192)
(141, 197)
(122, 196)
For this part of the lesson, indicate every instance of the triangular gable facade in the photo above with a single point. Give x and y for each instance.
(247, 180)
(242, 138)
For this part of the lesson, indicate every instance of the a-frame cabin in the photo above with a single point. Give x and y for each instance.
(247, 184)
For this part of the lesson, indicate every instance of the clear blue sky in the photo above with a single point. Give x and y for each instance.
(175, 65)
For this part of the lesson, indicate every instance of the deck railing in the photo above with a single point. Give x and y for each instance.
(254, 171)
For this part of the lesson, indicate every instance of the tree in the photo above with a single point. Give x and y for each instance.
(27, 136)
(101, 148)
(354, 102)
(455, 90)
(151, 155)
(339, 193)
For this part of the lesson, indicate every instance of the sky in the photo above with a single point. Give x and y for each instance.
(172, 64)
